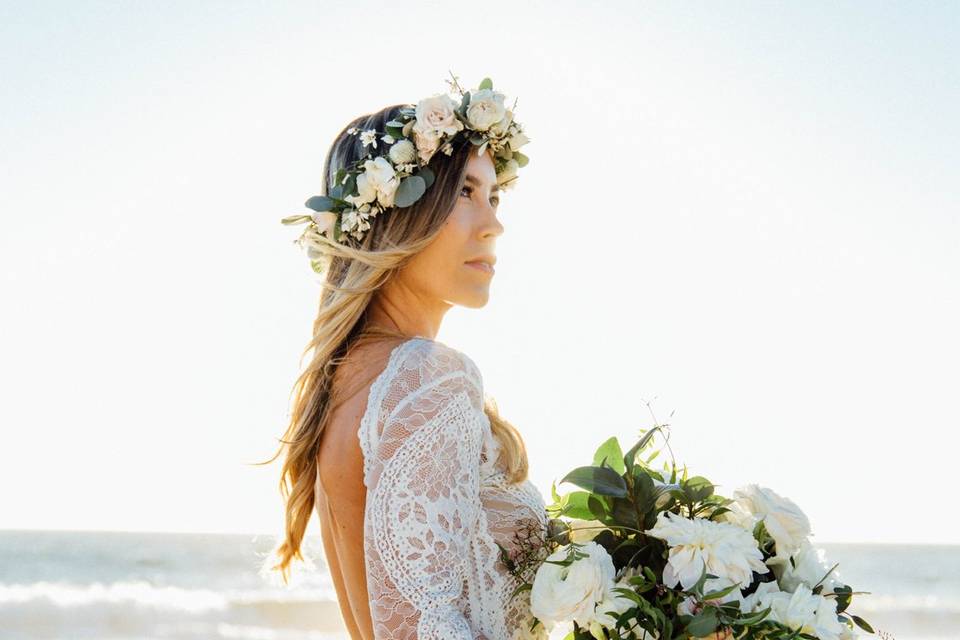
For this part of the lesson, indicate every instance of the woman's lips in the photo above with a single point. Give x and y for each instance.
(482, 266)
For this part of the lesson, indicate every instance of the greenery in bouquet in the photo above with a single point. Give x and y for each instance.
(655, 553)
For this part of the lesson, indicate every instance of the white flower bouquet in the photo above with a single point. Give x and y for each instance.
(653, 553)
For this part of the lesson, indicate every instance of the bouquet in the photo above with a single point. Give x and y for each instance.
(657, 554)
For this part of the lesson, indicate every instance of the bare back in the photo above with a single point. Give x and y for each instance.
(340, 491)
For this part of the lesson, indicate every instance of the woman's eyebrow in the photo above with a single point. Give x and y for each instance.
(473, 179)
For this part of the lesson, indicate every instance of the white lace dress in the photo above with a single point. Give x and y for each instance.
(437, 504)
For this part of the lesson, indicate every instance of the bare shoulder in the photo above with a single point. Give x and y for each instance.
(340, 456)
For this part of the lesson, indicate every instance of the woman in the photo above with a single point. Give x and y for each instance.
(416, 479)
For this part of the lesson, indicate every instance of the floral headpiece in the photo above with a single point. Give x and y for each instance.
(398, 174)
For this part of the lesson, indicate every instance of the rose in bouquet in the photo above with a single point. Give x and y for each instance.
(642, 552)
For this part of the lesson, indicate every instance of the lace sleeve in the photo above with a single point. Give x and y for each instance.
(423, 498)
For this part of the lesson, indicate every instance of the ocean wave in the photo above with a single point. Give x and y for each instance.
(142, 593)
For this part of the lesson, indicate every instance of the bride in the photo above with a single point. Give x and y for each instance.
(417, 481)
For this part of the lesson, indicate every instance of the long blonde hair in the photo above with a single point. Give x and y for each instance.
(354, 272)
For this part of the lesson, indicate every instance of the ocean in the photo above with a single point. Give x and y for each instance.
(149, 586)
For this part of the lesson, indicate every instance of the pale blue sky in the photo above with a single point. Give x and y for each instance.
(745, 212)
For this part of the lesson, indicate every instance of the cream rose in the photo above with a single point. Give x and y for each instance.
(571, 592)
(782, 518)
(486, 108)
(377, 182)
(499, 129)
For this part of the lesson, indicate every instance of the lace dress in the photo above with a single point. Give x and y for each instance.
(437, 504)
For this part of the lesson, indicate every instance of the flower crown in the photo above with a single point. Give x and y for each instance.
(398, 174)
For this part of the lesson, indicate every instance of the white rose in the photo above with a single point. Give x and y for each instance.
(739, 516)
(811, 566)
(784, 520)
(571, 592)
(402, 152)
(613, 604)
(584, 530)
(486, 108)
(377, 182)
(499, 129)
(802, 609)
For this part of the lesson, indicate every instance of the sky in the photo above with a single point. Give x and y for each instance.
(740, 219)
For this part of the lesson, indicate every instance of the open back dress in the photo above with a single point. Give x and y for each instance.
(438, 503)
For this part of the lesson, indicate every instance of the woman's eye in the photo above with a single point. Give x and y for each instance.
(469, 190)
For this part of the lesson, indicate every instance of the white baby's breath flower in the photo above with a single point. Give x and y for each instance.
(726, 550)
(486, 108)
(447, 149)
(369, 137)
(403, 152)
(786, 523)
(571, 592)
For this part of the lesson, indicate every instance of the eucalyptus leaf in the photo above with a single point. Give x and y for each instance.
(704, 623)
(320, 203)
(409, 191)
(521, 159)
(427, 174)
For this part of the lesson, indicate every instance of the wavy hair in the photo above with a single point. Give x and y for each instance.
(354, 272)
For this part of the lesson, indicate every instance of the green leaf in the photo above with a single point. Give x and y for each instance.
(486, 83)
(714, 595)
(753, 618)
(299, 218)
(600, 480)
(628, 459)
(521, 159)
(427, 174)
(320, 203)
(577, 505)
(698, 488)
(862, 623)
(703, 623)
(409, 191)
(596, 507)
(611, 452)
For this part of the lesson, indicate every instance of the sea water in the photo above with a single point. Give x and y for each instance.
(114, 585)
